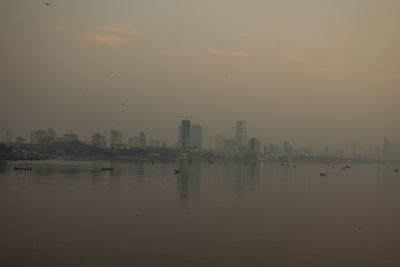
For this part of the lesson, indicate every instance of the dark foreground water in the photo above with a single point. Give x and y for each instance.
(66, 213)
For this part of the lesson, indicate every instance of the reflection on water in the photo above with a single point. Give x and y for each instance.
(70, 213)
(188, 181)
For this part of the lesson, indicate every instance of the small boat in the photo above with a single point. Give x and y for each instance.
(177, 171)
(282, 164)
(396, 170)
(23, 168)
(107, 169)
(323, 174)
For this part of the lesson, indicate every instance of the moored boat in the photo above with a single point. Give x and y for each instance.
(23, 168)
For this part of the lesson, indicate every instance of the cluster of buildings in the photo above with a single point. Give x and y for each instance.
(190, 141)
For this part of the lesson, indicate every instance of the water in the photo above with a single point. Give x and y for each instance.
(69, 213)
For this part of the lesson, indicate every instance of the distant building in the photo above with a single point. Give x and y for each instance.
(254, 146)
(197, 136)
(387, 149)
(229, 147)
(98, 140)
(219, 144)
(9, 136)
(51, 133)
(116, 137)
(241, 135)
(287, 149)
(185, 134)
(134, 141)
(69, 137)
(142, 138)
(20, 140)
(38, 136)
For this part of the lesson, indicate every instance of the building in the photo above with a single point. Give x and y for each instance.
(9, 136)
(387, 149)
(69, 137)
(196, 136)
(287, 149)
(254, 146)
(241, 135)
(142, 138)
(185, 134)
(219, 144)
(229, 147)
(116, 137)
(38, 136)
(20, 140)
(134, 141)
(51, 133)
(98, 140)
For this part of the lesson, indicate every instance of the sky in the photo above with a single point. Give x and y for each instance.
(320, 72)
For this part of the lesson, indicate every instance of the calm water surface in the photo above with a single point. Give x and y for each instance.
(69, 213)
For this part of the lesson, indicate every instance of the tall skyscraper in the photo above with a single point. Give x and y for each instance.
(116, 137)
(254, 146)
(185, 134)
(142, 138)
(197, 135)
(241, 135)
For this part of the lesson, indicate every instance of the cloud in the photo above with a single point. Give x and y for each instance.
(114, 35)
(223, 52)
(106, 39)
(125, 29)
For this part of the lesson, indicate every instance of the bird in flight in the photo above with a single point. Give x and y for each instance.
(47, 3)
(122, 104)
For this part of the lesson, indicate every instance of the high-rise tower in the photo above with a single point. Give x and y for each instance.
(185, 134)
(241, 134)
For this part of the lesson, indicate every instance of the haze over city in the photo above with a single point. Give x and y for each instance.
(325, 72)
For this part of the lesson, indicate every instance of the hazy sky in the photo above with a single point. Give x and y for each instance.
(327, 71)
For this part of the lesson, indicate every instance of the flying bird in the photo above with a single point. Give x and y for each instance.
(122, 104)
(47, 3)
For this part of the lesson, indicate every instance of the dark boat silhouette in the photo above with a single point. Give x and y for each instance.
(107, 169)
(23, 168)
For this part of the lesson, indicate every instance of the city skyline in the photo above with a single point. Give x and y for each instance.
(227, 146)
(290, 72)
